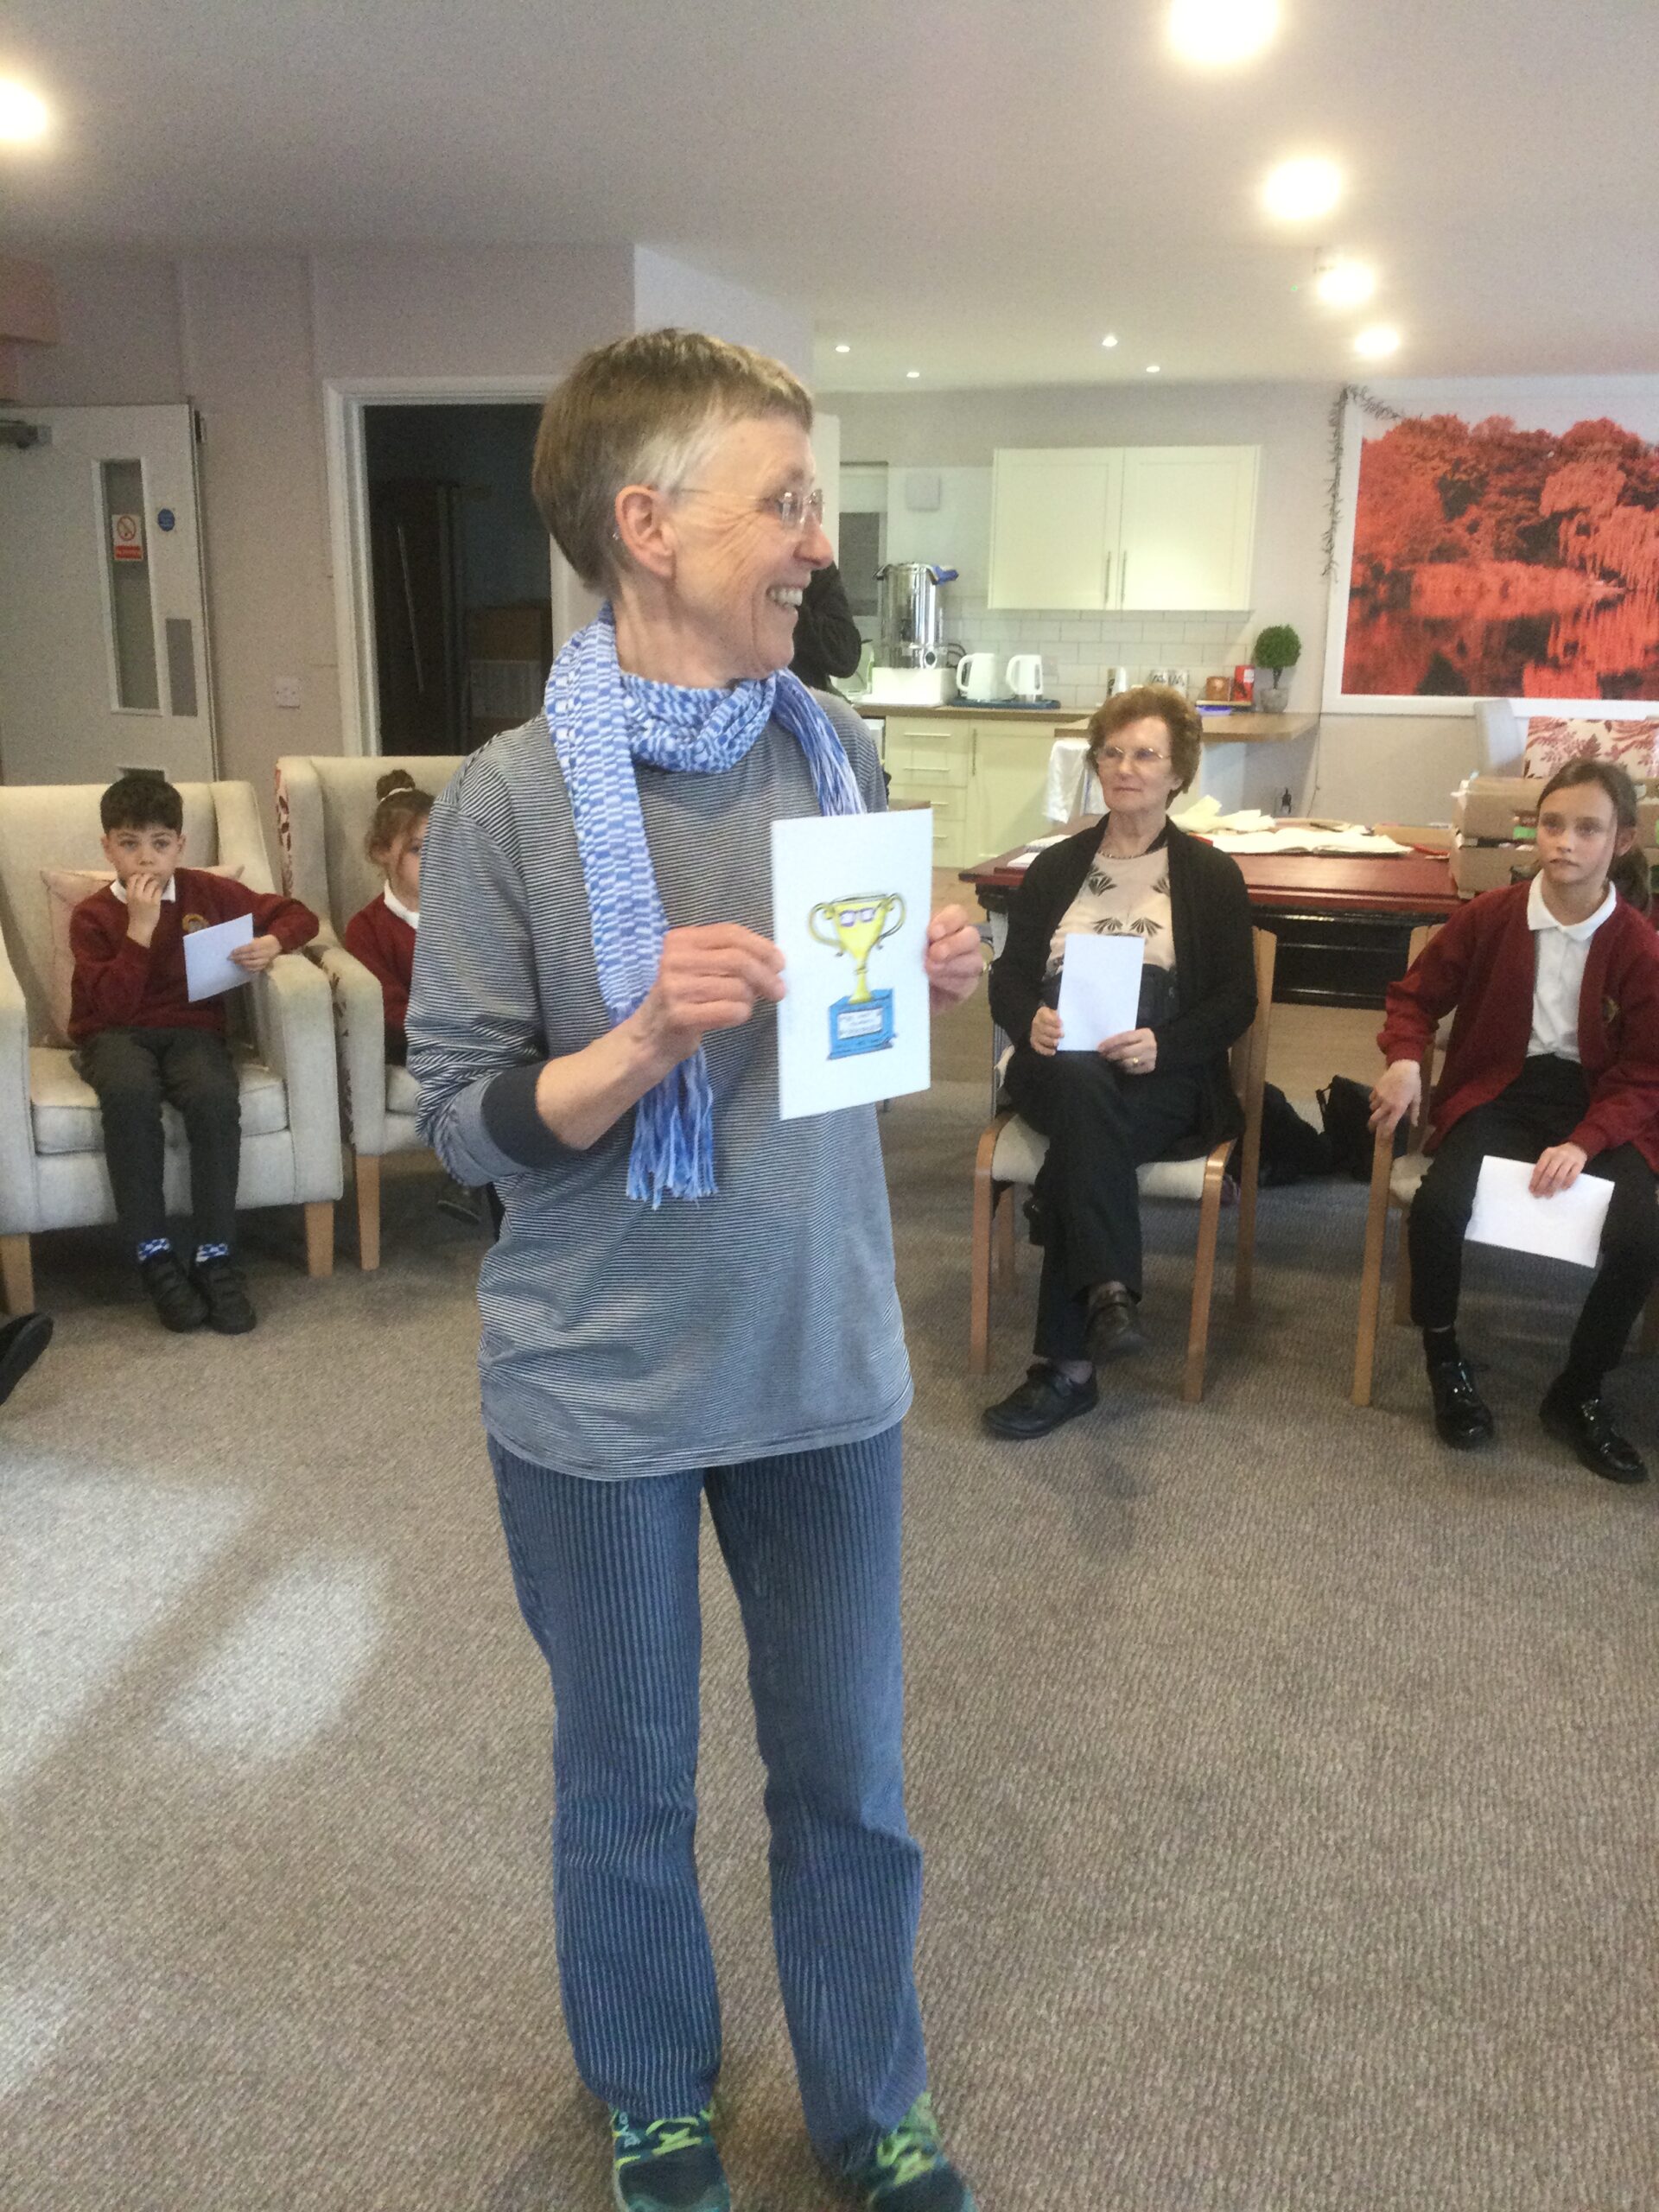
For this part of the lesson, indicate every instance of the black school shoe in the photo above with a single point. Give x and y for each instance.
(1462, 1417)
(179, 1305)
(230, 1311)
(1045, 1400)
(1115, 1330)
(22, 1343)
(1585, 1425)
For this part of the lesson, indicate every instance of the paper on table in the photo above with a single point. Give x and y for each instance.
(850, 900)
(1565, 1227)
(208, 967)
(1100, 990)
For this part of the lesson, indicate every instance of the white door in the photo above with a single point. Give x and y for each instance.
(1054, 521)
(1188, 528)
(103, 624)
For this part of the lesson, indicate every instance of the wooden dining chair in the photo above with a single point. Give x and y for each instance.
(1393, 1186)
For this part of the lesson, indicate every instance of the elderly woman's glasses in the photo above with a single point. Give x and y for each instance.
(793, 509)
(1112, 756)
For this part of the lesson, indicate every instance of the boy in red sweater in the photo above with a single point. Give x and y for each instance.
(1554, 1059)
(142, 1040)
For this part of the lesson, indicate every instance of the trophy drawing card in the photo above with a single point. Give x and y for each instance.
(851, 894)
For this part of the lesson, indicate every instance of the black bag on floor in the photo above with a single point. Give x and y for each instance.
(1290, 1147)
(1345, 1110)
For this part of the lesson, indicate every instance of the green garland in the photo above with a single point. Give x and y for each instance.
(1380, 411)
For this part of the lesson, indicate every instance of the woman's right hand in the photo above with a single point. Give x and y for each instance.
(711, 978)
(1046, 1032)
(1395, 1094)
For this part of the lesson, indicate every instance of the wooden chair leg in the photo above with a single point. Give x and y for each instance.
(1403, 1277)
(1203, 1279)
(979, 1264)
(319, 1237)
(366, 1166)
(17, 1274)
(1002, 1223)
(1244, 1239)
(1370, 1290)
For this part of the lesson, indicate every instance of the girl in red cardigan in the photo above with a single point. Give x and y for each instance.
(1553, 1059)
(382, 935)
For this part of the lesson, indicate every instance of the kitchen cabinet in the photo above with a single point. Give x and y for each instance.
(1121, 528)
(984, 780)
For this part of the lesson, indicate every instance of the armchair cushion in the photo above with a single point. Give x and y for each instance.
(403, 1092)
(65, 889)
(1553, 740)
(1021, 1151)
(64, 1110)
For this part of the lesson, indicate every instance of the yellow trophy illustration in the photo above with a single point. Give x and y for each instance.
(862, 1021)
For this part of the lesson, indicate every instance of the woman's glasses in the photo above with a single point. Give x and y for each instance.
(793, 509)
(1112, 756)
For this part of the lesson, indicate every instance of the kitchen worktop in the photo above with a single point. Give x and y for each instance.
(964, 710)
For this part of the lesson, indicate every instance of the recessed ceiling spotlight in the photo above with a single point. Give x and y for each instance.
(23, 114)
(1215, 33)
(843, 349)
(1297, 191)
(1377, 343)
(912, 373)
(1154, 368)
(1110, 338)
(1343, 283)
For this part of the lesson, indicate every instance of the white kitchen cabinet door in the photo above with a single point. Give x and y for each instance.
(1010, 779)
(1188, 528)
(1054, 526)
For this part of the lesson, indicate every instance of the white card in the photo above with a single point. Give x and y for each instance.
(208, 967)
(1100, 988)
(1565, 1227)
(850, 899)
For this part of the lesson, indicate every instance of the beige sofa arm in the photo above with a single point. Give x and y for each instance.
(19, 1196)
(293, 1018)
(360, 1015)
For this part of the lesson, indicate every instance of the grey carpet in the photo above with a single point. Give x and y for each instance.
(1287, 1785)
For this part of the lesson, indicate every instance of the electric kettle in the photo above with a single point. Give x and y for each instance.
(1025, 676)
(977, 675)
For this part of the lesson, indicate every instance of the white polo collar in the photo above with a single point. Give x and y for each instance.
(1540, 918)
(120, 890)
(410, 914)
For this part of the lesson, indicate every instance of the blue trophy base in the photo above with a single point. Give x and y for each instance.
(864, 1028)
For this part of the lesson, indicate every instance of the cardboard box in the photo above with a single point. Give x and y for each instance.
(1477, 867)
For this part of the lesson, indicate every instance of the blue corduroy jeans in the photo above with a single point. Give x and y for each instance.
(606, 1578)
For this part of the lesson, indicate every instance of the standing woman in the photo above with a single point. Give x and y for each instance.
(1158, 1091)
(690, 1298)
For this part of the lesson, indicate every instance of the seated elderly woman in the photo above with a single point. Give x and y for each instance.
(691, 1299)
(1159, 1090)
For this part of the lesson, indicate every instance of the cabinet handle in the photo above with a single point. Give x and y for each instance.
(1123, 578)
(1106, 588)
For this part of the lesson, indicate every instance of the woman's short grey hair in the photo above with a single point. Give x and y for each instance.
(644, 410)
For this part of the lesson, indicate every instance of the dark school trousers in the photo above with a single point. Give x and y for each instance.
(133, 1070)
(1540, 1108)
(1101, 1126)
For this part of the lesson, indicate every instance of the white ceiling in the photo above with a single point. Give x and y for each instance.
(975, 188)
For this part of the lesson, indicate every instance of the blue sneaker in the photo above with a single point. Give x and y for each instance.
(908, 2171)
(667, 2165)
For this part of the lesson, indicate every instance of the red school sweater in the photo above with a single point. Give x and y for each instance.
(385, 943)
(120, 984)
(1482, 962)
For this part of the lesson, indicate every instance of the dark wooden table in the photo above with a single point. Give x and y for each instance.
(1343, 921)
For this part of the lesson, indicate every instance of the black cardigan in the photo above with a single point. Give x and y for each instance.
(1215, 960)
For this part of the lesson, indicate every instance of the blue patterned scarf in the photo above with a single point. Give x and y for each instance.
(602, 722)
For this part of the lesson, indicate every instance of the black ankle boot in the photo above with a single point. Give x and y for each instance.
(229, 1310)
(179, 1305)
(1462, 1417)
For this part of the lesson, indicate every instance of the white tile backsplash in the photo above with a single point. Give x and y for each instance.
(1080, 651)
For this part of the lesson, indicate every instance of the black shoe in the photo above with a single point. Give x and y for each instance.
(459, 1203)
(22, 1343)
(229, 1308)
(1043, 1401)
(1115, 1330)
(1462, 1417)
(178, 1303)
(1585, 1425)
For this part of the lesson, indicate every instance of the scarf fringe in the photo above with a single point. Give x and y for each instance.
(673, 1150)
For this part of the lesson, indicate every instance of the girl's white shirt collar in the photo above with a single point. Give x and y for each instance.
(1540, 918)
(410, 914)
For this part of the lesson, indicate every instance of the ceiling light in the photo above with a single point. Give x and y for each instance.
(912, 373)
(1214, 33)
(843, 349)
(1342, 283)
(1110, 338)
(23, 115)
(1296, 191)
(1154, 368)
(1381, 340)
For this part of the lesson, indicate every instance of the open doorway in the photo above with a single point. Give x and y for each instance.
(459, 573)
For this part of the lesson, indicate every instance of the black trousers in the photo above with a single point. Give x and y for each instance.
(1101, 1126)
(133, 1070)
(1540, 1108)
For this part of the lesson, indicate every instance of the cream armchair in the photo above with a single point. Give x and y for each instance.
(324, 806)
(52, 1170)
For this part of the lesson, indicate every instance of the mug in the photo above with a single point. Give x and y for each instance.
(977, 675)
(1025, 676)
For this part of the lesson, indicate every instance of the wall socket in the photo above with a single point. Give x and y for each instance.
(288, 690)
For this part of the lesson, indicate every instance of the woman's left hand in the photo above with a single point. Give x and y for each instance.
(955, 959)
(1134, 1051)
(1557, 1169)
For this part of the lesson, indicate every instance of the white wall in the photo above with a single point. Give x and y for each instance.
(667, 293)
(1395, 766)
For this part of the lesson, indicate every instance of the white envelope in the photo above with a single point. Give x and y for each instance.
(1100, 990)
(208, 967)
(1565, 1227)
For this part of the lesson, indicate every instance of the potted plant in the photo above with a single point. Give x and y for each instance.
(1278, 648)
